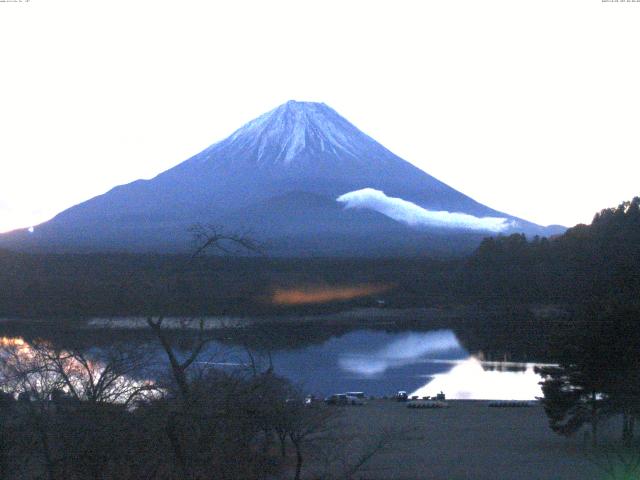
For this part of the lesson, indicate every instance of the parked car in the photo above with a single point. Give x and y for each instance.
(360, 395)
(337, 399)
(355, 400)
(345, 399)
(402, 396)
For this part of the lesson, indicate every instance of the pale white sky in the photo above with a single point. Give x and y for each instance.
(529, 106)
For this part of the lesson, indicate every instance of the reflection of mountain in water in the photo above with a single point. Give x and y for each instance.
(425, 363)
(471, 380)
(375, 362)
(405, 349)
(502, 334)
(508, 333)
(503, 366)
(325, 360)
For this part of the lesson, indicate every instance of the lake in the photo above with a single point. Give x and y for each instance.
(422, 363)
(322, 360)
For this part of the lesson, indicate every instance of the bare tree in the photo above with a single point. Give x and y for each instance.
(109, 377)
(179, 367)
(212, 237)
(179, 371)
(342, 455)
(26, 373)
(76, 405)
(206, 238)
(303, 423)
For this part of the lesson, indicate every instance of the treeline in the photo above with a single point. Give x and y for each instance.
(598, 260)
(47, 285)
(598, 354)
(598, 372)
(588, 262)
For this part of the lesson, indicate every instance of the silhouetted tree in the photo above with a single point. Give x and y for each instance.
(599, 372)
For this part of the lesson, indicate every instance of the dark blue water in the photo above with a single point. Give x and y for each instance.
(381, 363)
(374, 362)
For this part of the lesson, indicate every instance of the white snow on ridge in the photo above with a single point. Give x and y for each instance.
(297, 140)
(284, 130)
(416, 216)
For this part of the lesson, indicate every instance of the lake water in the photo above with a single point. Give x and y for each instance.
(422, 363)
(380, 363)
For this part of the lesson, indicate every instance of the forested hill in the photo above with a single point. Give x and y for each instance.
(587, 263)
(600, 261)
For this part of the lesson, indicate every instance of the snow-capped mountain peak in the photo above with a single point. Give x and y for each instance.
(293, 129)
(279, 176)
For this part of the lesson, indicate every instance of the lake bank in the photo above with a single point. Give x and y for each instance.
(468, 354)
(469, 440)
(500, 332)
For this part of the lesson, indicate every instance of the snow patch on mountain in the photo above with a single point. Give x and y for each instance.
(287, 130)
(297, 141)
(416, 216)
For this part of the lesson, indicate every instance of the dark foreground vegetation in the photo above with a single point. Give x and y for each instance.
(598, 371)
(586, 263)
(66, 413)
(122, 413)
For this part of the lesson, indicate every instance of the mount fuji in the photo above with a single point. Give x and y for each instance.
(300, 179)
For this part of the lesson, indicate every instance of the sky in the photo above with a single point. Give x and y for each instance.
(530, 107)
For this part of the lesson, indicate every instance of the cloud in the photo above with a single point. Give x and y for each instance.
(416, 216)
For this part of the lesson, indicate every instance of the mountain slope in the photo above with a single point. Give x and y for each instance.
(304, 154)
